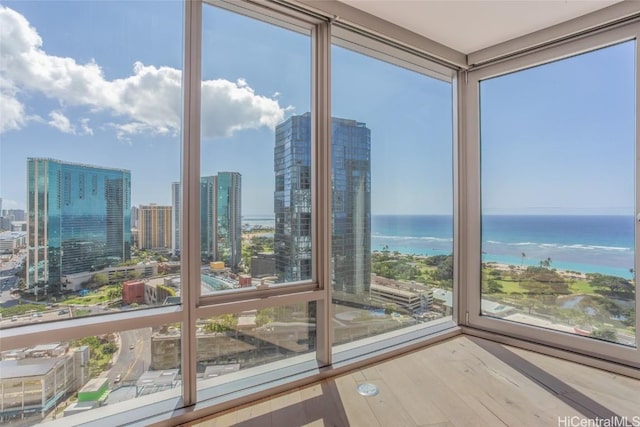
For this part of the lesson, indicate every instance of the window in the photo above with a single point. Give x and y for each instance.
(392, 195)
(256, 79)
(88, 154)
(90, 130)
(60, 379)
(106, 221)
(557, 196)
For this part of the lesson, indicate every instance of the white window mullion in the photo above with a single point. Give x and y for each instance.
(190, 197)
(321, 166)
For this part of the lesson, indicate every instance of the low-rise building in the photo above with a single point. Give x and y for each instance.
(11, 241)
(77, 281)
(34, 380)
(403, 295)
(133, 292)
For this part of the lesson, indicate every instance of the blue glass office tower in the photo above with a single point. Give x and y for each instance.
(208, 187)
(229, 219)
(351, 199)
(220, 218)
(78, 219)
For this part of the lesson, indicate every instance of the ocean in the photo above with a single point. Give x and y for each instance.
(588, 244)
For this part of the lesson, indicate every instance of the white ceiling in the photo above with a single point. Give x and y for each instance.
(471, 25)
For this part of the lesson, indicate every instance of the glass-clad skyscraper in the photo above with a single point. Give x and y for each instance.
(229, 219)
(351, 212)
(78, 219)
(220, 218)
(208, 187)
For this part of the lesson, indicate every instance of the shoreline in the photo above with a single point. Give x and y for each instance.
(507, 267)
(570, 270)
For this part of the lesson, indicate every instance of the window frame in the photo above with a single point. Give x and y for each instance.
(347, 37)
(470, 304)
(375, 37)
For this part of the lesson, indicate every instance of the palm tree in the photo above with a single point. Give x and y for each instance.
(522, 259)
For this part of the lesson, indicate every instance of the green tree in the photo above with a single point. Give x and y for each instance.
(264, 316)
(114, 292)
(224, 323)
(134, 274)
(545, 263)
(543, 286)
(494, 287)
(612, 286)
(100, 279)
(445, 269)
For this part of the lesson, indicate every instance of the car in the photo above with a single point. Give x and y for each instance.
(132, 346)
(63, 311)
(14, 318)
(117, 379)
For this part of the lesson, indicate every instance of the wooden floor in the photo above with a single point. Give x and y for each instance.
(465, 382)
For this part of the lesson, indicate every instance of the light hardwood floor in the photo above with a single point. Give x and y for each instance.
(464, 381)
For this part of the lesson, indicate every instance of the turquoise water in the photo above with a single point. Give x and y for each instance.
(588, 244)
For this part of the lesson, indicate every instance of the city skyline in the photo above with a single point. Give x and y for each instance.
(101, 123)
(97, 131)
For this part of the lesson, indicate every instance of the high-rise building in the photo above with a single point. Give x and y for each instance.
(78, 219)
(208, 187)
(135, 215)
(351, 199)
(220, 218)
(15, 214)
(175, 218)
(154, 230)
(228, 219)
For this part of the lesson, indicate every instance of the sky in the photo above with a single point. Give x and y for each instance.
(100, 83)
(560, 138)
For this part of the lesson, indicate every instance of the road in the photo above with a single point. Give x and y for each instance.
(133, 357)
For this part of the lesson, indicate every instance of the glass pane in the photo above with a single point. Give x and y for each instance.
(255, 179)
(558, 173)
(239, 341)
(392, 197)
(60, 379)
(91, 106)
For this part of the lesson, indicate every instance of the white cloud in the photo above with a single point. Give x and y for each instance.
(61, 122)
(84, 126)
(228, 107)
(146, 102)
(12, 114)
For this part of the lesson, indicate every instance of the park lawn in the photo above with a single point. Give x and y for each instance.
(93, 298)
(18, 310)
(581, 287)
(511, 286)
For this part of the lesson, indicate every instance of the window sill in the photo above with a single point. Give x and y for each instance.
(215, 395)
